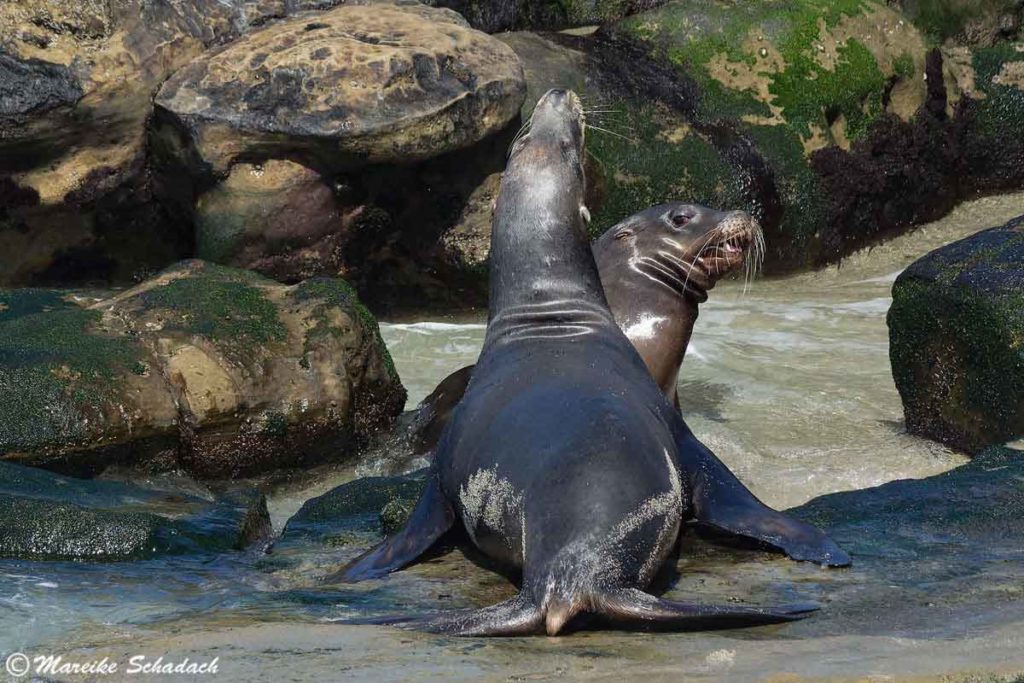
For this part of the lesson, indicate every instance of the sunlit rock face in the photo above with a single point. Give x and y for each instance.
(349, 86)
(77, 80)
(48, 517)
(215, 371)
(343, 142)
(956, 340)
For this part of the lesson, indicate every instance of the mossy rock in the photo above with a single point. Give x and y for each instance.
(216, 370)
(368, 507)
(836, 124)
(49, 517)
(789, 79)
(956, 340)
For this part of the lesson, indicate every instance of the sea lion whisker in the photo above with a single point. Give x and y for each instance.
(712, 235)
(611, 132)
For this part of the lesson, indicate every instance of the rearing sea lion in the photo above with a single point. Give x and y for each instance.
(656, 268)
(564, 460)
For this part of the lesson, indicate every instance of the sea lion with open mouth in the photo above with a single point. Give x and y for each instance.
(564, 461)
(656, 268)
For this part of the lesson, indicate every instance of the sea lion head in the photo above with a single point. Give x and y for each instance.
(685, 247)
(546, 157)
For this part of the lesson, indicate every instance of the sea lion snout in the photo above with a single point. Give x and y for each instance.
(559, 117)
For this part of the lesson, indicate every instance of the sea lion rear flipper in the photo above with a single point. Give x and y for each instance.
(633, 606)
(721, 501)
(430, 519)
(516, 616)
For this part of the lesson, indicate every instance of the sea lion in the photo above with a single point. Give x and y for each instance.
(564, 461)
(639, 261)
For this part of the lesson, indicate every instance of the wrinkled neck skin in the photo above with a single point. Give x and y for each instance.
(544, 282)
(658, 320)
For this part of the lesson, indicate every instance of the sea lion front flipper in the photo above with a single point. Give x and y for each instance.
(721, 501)
(433, 412)
(634, 606)
(430, 519)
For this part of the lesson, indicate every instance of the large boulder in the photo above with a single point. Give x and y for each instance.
(343, 143)
(44, 516)
(351, 86)
(77, 80)
(956, 340)
(848, 123)
(215, 370)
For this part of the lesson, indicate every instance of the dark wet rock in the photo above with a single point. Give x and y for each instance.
(44, 516)
(467, 244)
(357, 511)
(956, 340)
(505, 15)
(355, 85)
(32, 87)
(927, 551)
(278, 218)
(969, 22)
(213, 370)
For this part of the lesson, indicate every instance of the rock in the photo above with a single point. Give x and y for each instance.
(711, 103)
(214, 370)
(956, 340)
(467, 244)
(354, 85)
(360, 511)
(49, 517)
(77, 80)
(505, 15)
(277, 218)
(967, 22)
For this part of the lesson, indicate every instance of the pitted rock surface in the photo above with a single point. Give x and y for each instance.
(356, 84)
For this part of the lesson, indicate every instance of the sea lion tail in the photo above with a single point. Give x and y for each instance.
(633, 606)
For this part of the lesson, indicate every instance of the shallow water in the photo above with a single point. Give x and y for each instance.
(789, 384)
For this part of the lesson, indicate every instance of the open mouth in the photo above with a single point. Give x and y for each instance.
(727, 253)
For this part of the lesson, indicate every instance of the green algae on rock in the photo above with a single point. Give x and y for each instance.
(50, 517)
(956, 340)
(216, 370)
(358, 506)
